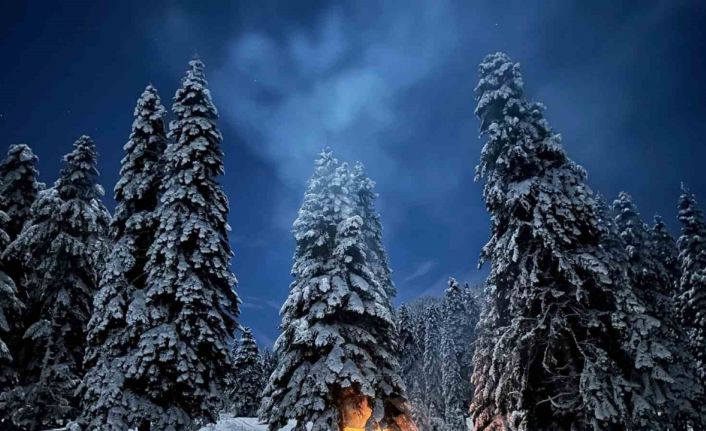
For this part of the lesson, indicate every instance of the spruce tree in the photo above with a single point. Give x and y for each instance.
(63, 245)
(673, 390)
(19, 186)
(247, 379)
(550, 352)
(665, 249)
(431, 366)
(372, 230)
(459, 318)
(410, 326)
(188, 308)
(111, 400)
(11, 313)
(268, 364)
(692, 284)
(407, 342)
(337, 341)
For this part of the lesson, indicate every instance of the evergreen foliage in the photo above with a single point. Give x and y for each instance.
(431, 365)
(11, 313)
(552, 351)
(437, 339)
(665, 250)
(19, 187)
(459, 317)
(187, 311)
(692, 284)
(63, 246)
(247, 379)
(111, 400)
(411, 327)
(338, 333)
(372, 228)
(268, 364)
(673, 390)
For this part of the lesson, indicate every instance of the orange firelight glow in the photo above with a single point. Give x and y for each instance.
(355, 412)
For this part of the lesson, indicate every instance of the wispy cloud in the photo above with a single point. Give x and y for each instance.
(255, 303)
(423, 269)
(335, 84)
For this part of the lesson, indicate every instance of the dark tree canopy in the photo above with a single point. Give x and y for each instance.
(338, 338)
(550, 354)
(63, 246)
(692, 284)
(110, 400)
(19, 187)
(244, 397)
(189, 308)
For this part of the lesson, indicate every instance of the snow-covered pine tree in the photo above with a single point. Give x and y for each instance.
(63, 245)
(11, 314)
(411, 353)
(549, 355)
(336, 344)
(673, 389)
(372, 229)
(188, 309)
(452, 385)
(459, 318)
(665, 249)
(18, 191)
(247, 377)
(431, 365)
(19, 186)
(111, 398)
(691, 298)
(407, 342)
(268, 364)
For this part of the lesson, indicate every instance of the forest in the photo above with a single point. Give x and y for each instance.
(591, 317)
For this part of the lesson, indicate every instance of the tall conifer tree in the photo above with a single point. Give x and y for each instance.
(459, 318)
(673, 393)
(11, 314)
(337, 340)
(268, 363)
(63, 244)
(431, 365)
(551, 351)
(113, 398)
(665, 250)
(182, 357)
(247, 379)
(19, 186)
(411, 327)
(691, 298)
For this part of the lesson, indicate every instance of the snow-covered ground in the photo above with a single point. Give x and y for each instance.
(229, 423)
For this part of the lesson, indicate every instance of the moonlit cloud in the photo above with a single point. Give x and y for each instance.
(423, 269)
(339, 83)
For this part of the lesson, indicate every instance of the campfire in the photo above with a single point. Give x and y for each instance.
(356, 411)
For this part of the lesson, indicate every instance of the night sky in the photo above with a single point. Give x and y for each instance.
(388, 83)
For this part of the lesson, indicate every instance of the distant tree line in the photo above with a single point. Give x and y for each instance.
(436, 350)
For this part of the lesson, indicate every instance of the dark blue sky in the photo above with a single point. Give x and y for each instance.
(388, 83)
